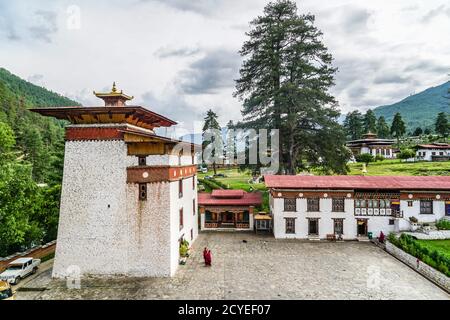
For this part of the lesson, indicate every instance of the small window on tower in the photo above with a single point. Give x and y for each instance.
(180, 188)
(142, 191)
(142, 161)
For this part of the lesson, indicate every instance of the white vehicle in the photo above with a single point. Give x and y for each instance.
(19, 269)
(204, 170)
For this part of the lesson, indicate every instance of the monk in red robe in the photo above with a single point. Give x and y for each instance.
(205, 251)
(208, 258)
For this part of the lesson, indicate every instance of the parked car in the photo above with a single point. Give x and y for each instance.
(6, 293)
(204, 170)
(208, 177)
(19, 269)
(219, 175)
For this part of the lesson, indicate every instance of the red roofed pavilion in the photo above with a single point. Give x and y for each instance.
(228, 209)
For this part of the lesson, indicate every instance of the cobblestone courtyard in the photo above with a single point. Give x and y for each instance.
(262, 268)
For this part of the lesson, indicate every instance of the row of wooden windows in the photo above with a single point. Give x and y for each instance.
(313, 204)
(313, 226)
(376, 203)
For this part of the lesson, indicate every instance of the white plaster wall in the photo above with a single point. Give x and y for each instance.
(104, 229)
(326, 220)
(185, 160)
(148, 228)
(93, 206)
(428, 153)
(189, 219)
(414, 211)
(157, 160)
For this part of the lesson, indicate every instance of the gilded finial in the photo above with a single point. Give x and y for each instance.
(114, 87)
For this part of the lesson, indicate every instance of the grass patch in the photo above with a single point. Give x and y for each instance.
(398, 168)
(441, 246)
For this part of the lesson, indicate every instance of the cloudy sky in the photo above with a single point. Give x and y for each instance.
(179, 57)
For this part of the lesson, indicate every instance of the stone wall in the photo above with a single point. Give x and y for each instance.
(428, 272)
(37, 253)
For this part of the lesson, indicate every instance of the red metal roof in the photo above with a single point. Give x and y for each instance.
(358, 182)
(247, 198)
(228, 194)
(433, 146)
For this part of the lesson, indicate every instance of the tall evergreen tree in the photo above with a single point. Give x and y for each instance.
(441, 125)
(382, 128)
(370, 122)
(418, 131)
(353, 125)
(284, 84)
(212, 137)
(398, 128)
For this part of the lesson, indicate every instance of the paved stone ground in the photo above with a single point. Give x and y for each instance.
(262, 268)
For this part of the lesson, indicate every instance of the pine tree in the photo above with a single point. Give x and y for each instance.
(441, 125)
(382, 128)
(353, 125)
(284, 84)
(418, 131)
(212, 138)
(398, 128)
(370, 122)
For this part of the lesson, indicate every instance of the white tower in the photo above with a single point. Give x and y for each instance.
(128, 196)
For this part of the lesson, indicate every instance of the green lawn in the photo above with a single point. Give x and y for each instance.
(397, 168)
(442, 246)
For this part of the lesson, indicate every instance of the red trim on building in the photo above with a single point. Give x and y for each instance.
(93, 133)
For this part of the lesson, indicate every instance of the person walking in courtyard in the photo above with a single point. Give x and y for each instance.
(205, 252)
(208, 258)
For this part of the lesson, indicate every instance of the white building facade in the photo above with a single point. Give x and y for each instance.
(304, 207)
(128, 198)
(433, 152)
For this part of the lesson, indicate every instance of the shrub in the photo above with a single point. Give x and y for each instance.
(379, 157)
(184, 250)
(406, 154)
(443, 224)
(364, 157)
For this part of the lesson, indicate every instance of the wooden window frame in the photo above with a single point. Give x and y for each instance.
(292, 206)
(422, 207)
(181, 218)
(288, 228)
(317, 221)
(142, 191)
(142, 160)
(180, 188)
(313, 206)
(338, 207)
(334, 225)
(193, 207)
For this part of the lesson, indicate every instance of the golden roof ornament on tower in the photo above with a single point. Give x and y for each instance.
(114, 98)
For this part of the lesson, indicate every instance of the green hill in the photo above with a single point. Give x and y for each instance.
(39, 140)
(421, 109)
(31, 163)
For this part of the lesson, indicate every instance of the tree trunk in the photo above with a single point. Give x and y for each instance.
(214, 168)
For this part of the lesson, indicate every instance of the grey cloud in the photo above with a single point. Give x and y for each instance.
(429, 66)
(355, 19)
(173, 106)
(203, 7)
(45, 26)
(216, 70)
(390, 78)
(441, 10)
(165, 52)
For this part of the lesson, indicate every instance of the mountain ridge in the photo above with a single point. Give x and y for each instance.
(420, 109)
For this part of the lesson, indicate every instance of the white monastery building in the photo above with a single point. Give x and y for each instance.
(433, 152)
(128, 196)
(373, 145)
(317, 207)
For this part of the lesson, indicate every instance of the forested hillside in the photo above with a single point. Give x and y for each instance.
(31, 161)
(419, 110)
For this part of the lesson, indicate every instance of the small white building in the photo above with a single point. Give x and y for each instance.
(129, 197)
(314, 207)
(433, 152)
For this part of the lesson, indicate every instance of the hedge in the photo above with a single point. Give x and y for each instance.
(432, 258)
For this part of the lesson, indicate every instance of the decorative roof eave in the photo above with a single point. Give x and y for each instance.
(78, 115)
